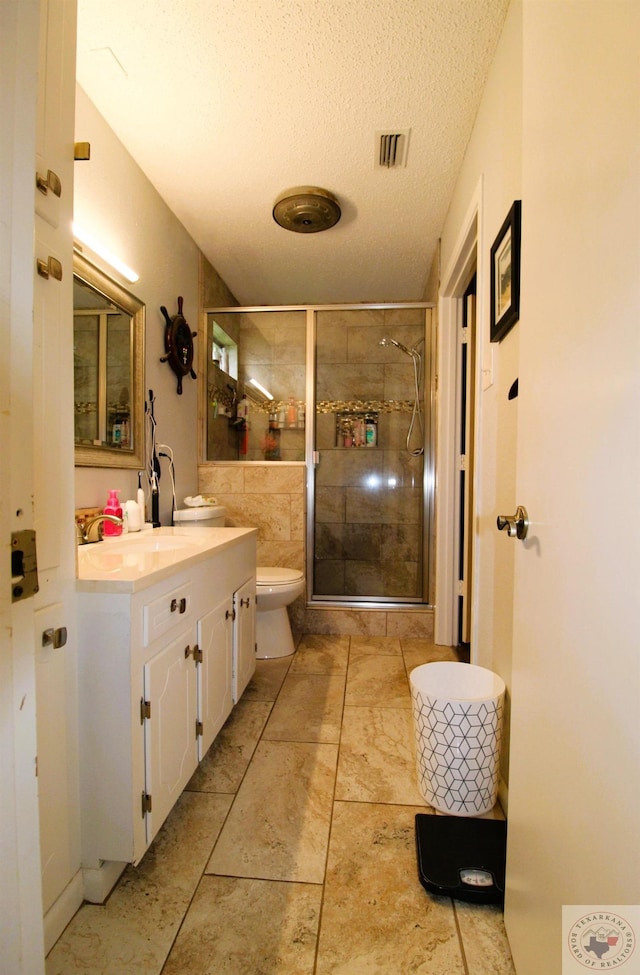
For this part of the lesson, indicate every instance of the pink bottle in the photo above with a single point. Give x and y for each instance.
(112, 507)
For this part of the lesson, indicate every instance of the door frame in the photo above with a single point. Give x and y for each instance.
(467, 258)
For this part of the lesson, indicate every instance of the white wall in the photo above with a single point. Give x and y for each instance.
(115, 201)
(493, 154)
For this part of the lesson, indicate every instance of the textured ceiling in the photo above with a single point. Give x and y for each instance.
(226, 103)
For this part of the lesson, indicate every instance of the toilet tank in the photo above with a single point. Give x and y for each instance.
(204, 516)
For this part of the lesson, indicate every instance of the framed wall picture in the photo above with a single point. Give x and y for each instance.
(505, 275)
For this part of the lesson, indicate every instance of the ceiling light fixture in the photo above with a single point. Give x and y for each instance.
(112, 260)
(306, 210)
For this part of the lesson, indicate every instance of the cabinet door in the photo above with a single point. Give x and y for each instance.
(170, 729)
(244, 637)
(215, 634)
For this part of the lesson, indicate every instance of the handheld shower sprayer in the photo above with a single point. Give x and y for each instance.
(412, 352)
(416, 414)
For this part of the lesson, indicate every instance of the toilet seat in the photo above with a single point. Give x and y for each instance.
(273, 575)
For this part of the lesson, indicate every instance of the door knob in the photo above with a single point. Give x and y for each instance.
(51, 268)
(516, 525)
(49, 182)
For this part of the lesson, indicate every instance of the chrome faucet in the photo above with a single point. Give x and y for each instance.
(82, 531)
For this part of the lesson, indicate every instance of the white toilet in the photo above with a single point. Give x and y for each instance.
(276, 589)
(202, 516)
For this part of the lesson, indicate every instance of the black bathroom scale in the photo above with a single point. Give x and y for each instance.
(462, 857)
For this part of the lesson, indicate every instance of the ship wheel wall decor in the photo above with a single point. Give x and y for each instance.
(178, 344)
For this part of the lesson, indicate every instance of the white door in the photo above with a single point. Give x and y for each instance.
(28, 48)
(21, 933)
(215, 631)
(244, 637)
(53, 461)
(574, 787)
(170, 730)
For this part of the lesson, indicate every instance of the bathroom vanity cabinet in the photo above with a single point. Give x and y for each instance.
(162, 663)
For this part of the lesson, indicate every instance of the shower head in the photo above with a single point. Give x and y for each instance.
(412, 352)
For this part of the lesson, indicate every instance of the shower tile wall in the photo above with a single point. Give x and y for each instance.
(368, 500)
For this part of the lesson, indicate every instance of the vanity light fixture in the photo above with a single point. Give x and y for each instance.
(260, 388)
(81, 235)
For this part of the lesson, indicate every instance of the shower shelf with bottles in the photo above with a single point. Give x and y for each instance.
(356, 428)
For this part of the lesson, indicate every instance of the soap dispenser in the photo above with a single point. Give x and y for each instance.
(112, 507)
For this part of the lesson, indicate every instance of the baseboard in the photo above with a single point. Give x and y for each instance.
(100, 881)
(62, 910)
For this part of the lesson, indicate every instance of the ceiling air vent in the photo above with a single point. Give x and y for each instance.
(391, 148)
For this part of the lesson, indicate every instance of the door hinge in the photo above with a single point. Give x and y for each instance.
(464, 334)
(145, 710)
(199, 729)
(198, 656)
(462, 462)
(146, 804)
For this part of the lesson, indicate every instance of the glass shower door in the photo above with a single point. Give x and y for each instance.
(368, 522)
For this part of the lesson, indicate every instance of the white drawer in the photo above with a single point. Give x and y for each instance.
(166, 612)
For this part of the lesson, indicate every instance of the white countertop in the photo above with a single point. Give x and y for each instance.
(140, 559)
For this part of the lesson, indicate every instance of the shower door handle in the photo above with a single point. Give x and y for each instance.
(516, 525)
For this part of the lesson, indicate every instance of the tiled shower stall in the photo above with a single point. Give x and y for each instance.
(367, 486)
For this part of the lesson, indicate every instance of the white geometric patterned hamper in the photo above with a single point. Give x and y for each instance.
(457, 716)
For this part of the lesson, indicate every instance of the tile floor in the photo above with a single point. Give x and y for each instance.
(292, 851)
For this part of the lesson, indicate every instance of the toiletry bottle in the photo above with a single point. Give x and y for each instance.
(112, 507)
(371, 431)
(140, 500)
(300, 418)
(291, 412)
(131, 510)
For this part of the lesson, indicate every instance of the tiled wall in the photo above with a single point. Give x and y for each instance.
(273, 352)
(271, 497)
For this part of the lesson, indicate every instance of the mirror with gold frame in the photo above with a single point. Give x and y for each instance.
(108, 360)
